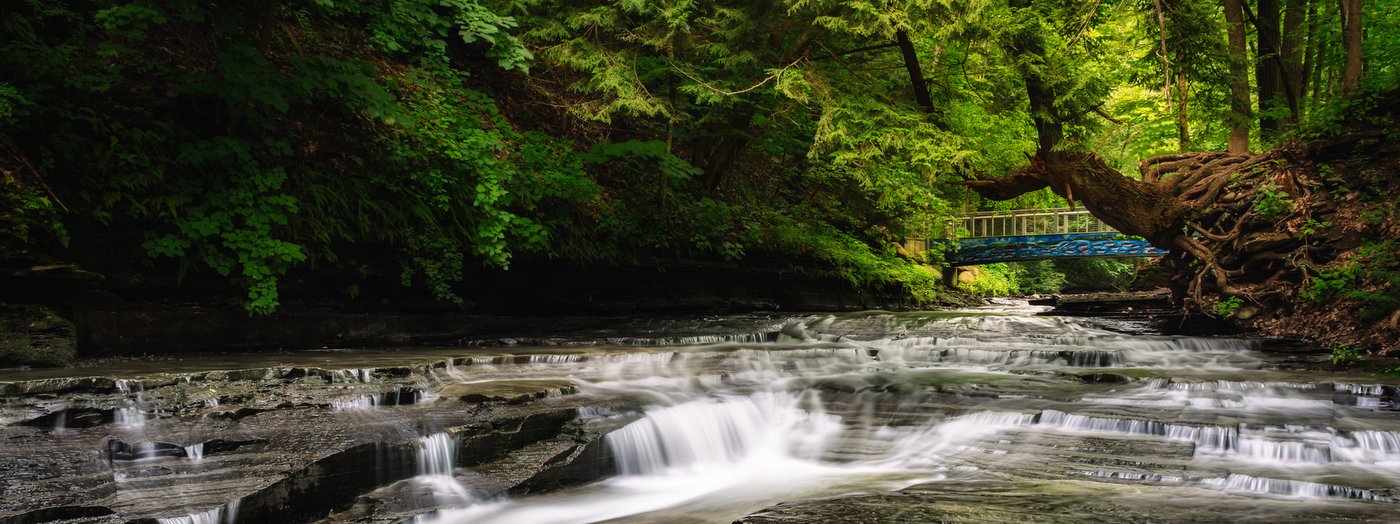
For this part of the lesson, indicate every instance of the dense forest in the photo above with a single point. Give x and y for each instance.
(261, 143)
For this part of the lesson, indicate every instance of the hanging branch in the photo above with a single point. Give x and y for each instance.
(28, 169)
(722, 92)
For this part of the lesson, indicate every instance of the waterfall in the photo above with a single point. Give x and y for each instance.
(130, 415)
(213, 516)
(1205, 437)
(1283, 451)
(360, 402)
(437, 465)
(226, 514)
(1288, 488)
(352, 376)
(231, 511)
(437, 454)
(1368, 446)
(707, 433)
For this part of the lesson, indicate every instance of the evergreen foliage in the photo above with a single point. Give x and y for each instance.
(263, 141)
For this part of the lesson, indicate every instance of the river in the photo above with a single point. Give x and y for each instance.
(991, 414)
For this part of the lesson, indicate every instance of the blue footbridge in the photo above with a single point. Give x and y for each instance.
(1033, 234)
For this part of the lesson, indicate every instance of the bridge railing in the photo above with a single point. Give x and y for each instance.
(1025, 223)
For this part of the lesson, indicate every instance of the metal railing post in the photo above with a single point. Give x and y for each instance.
(1026, 222)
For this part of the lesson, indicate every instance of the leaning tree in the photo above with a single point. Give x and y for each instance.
(1255, 226)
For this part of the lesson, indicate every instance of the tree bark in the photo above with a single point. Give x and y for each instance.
(1319, 65)
(916, 72)
(717, 155)
(1351, 40)
(1266, 70)
(1183, 124)
(1291, 54)
(1309, 60)
(1141, 208)
(1030, 46)
(1240, 118)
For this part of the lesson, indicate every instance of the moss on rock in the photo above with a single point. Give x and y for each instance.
(37, 336)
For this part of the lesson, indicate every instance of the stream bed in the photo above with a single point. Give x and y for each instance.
(992, 414)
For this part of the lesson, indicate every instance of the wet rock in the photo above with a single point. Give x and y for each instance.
(72, 418)
(577, 464)
(223, 446)
(509, 391)
(58, 386)
(235, 414)
(32, 335)
(121, 451)
(59, 513)
(1106, 378)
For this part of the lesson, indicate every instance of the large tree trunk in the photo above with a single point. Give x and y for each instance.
(1351, 40)
(1291, 56)
(1266, 70)
(1319, 64)
(1240, 118)
(1309, 59)
(716, 155)
(1183, 122)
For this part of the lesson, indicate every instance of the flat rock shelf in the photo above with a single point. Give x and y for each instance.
(993, 414)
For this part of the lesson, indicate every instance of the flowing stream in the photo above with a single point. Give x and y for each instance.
(882, 402)
(991, 414)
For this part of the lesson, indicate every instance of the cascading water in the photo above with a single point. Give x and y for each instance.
(951, 409)
(130, 414)
(437, 455)
(741, 423)
(718, 434)
(437, 469)
(226, 514)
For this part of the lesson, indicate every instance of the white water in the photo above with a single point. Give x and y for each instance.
(706, 434)
(130, 415)
(1288, 488)
(226, 514)
(437, 469)
(711, 427)
(718, 426)
(213, 516)
(731, 425)
(741, 451)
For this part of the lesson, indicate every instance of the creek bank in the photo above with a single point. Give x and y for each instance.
(137, 315)
(287, 444)
(1138, 312)
(35, 335)
(1153, 312)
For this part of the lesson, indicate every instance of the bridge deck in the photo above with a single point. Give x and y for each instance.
(1033, 234)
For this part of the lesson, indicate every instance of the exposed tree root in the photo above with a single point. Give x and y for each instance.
(1259, 227)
